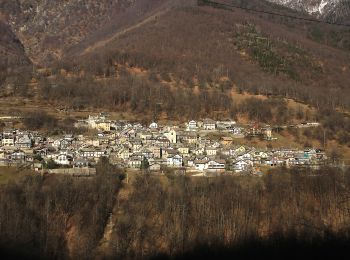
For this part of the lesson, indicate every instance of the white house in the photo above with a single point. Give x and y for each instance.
(56, 143)
(245, 156)
(216, 165)
(260, 154)
(135, 162)
(99, 122)
(267, 133)
(209, 124)
(124, 154)
(63, 159)
(238, 132)
(8, 141)
(201, 165)
(240, 166)
(174, 161)
(18, 155)
(172, 136)
(190, 162)
(184, 151)
(153, 125)
(192, 125)
(91, 153)
(211, 151)
(23, 141)
(198, 151)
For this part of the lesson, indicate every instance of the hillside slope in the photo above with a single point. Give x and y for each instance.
(49, 28)
(138, 14)
(191, 45)
(260, 53)
(11, 50)
(46, 28)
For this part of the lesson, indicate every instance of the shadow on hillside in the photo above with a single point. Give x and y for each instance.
(276, 248)
(290, 248)
(19, 252)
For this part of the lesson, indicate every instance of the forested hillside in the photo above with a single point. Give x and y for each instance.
(287, 213)
(46, 28)
(190, 45)
(11, 50)
(12, 54)
(57, 217)
(256, 54)
(181, 59)
(251, 61)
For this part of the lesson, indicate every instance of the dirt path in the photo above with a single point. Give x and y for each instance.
(104, 247)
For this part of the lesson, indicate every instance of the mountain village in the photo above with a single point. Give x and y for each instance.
(188, 148)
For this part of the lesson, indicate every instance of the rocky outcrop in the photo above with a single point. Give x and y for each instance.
(47, 27)
(332, 10)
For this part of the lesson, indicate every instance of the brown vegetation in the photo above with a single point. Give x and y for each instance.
(183, 213)
(64, 217)
(39, 214)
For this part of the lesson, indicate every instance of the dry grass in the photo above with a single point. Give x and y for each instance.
(240, 97)
(15, 106)
(13, 174)
(282, 141)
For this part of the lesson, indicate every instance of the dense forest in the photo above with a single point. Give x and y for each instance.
(175, 216)
(39, 217)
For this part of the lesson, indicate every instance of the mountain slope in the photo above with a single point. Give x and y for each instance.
(260, 53)
(138, 14)
(190, 45)
(11, 50)
(47, 27)
(331, 10)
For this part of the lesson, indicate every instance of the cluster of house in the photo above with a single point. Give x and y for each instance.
(132, 145)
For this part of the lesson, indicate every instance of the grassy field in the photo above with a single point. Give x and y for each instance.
(281, 141)
(13, 174)
(14, 106)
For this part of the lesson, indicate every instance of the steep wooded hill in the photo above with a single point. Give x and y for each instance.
(47, 27)
(191, 43)
(11, 50)
(260, 52)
